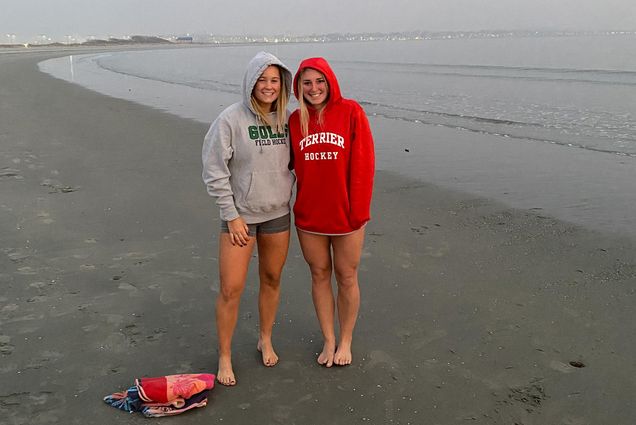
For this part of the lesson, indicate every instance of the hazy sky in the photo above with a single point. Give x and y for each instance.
(58, 18)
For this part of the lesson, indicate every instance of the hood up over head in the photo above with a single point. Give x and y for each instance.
(322, 66)
(255, 68)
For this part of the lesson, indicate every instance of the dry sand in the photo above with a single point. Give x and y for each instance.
(471, 312)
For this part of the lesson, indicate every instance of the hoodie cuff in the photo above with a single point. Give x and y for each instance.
(229, 213)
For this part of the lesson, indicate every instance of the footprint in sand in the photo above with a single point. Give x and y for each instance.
(45, 217)
(127, 287)
(5, 347)
(16, 255)
(530, 396)
(420, 230)
(156, 335)
(27, 270)
(133, 334)
(9, 308)
(37, 299)
(89, 328)
(10, 173)
(58, 187)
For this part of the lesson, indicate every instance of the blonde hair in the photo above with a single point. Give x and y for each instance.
(280, 106)
(302, 105)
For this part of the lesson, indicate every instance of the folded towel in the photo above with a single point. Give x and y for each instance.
(164, 395)
(173, 389)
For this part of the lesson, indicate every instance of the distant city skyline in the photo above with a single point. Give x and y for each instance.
(312, 38)
(68, 20)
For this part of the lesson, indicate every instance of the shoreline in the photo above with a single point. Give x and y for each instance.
(571, 183)
(471, 311)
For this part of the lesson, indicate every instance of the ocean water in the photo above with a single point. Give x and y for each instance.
(541, 123)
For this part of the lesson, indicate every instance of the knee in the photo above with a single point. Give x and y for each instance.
(269, 276)
(347, 278)
(320, 274)
(230, 293)
(270, 280)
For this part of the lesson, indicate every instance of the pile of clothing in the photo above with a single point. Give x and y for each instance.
(165, 395)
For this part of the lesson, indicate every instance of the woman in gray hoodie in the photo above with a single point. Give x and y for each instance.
(246, 168)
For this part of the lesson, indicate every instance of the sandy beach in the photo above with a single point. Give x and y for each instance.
(471, 312)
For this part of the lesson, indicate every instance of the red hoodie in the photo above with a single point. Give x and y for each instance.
(334, 164)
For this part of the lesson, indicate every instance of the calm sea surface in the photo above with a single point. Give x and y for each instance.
(539, 123)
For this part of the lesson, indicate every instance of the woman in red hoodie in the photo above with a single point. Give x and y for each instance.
(333, 158)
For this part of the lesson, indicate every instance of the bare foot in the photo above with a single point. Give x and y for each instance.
(343, 355)
(326, 357)
(270, 358)
(225, 375)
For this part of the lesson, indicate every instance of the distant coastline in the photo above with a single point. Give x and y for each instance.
(321, 38)
(134, 40)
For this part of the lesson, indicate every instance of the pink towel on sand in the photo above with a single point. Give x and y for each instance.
(173, 390)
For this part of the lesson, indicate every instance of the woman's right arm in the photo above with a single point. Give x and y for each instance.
(217, 153)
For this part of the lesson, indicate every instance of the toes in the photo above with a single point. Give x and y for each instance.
(342, 359)
(268, 355)
(325, 360)
(228, 382)
(225, 376)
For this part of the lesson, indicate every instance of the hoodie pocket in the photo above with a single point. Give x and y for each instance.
(269, 191)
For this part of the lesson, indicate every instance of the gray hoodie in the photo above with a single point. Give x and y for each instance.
(245, 162)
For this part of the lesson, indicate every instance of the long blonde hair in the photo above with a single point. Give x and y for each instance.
(302, 105)
(280, 106)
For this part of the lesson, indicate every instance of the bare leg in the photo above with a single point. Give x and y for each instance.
(317, 253)
(346, 253)
(233, 263)
(272, 253)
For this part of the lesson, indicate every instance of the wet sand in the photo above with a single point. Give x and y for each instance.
(471, 312)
